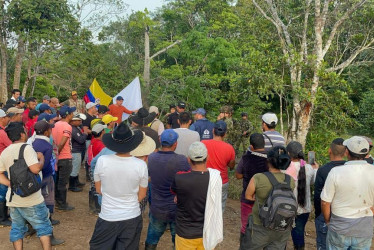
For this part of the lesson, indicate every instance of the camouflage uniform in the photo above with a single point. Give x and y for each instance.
(79, 104)
(230, 133)
(243, 140)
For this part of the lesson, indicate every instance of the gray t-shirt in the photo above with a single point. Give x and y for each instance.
(185, 139)
(276, 140)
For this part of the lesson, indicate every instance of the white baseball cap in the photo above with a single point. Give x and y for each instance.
(269, 118)
(153, 109)
(197, 151)
(90, 105)
(97, 128)
(357, 145)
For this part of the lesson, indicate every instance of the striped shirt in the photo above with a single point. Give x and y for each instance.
(276, 140)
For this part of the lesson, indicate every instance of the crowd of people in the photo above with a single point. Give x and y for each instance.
(180, 170)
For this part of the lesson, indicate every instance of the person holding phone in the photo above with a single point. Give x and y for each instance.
(304, 175)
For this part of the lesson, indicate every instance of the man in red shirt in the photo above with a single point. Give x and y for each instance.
(117, 109)
(62, 138)
(221, 156)
(4, 142)
(31, 105)
(97, 144)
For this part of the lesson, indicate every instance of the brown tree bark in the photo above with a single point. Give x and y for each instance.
(18, 63)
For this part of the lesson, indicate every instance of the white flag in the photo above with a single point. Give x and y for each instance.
(132, 97)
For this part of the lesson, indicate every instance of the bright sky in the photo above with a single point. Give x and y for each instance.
(151, 5)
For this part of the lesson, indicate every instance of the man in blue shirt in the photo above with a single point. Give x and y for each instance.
(162, 167)
(202, 125)
(42, 144)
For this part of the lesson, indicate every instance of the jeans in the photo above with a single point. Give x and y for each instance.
(3, 190)
(298, 231)
(337, 241)
(225, 190)
(77, 161)
(156, 229)
(321, 230)
(37, 216)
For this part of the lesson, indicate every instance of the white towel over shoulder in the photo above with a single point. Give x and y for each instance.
(213, 222)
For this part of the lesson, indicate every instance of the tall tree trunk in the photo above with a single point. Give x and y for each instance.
(3, 79)
(27, 81)
(19, 60)
(147, 68)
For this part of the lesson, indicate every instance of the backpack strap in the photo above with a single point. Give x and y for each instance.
(21, 151)
(269, 139)
(271, 178)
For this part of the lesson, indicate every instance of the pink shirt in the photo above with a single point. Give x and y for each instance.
(60, 130)
(4, 140)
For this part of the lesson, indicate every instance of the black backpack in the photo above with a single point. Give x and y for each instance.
(22, 181)
(280, 209)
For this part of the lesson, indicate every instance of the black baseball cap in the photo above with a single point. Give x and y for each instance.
(181, 105)
(41, 126)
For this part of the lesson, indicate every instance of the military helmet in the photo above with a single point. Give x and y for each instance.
(226, 109)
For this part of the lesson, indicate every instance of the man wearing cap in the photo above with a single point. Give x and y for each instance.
(226, 116)
(122, 180)
(21, 102)
(74, 101)
(336, 154)
(117, 109)
(272, 137)
(15, 114)
(4, 143)
(96, 141)
(221, 156)
(62, 138)
(141, 120)
(244, 127)
(90, 116)
(31, 104)
(46, 100)
(42, 144)
(194, 191)
(30, 208)
(48, 117)
(78, 142)
(162, 167)
(156, 124)
(185, 136)
(348, 199)
(202, 125)
(110, 122)
(173, 117)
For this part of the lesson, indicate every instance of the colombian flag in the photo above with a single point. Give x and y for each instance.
(96, 92)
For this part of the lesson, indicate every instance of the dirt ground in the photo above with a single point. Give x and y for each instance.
(77, 226)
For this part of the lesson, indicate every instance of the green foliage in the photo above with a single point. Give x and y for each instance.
(366, 116)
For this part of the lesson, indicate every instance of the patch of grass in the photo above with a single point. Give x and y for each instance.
(235, 186)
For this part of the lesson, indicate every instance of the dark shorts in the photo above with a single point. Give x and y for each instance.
(117, 234)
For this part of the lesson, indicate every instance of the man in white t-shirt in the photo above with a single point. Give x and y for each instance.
(185, 136)
(30, 208)
(122, 180)
(348, 199)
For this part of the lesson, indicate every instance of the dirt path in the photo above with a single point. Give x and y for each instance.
(77, 226)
